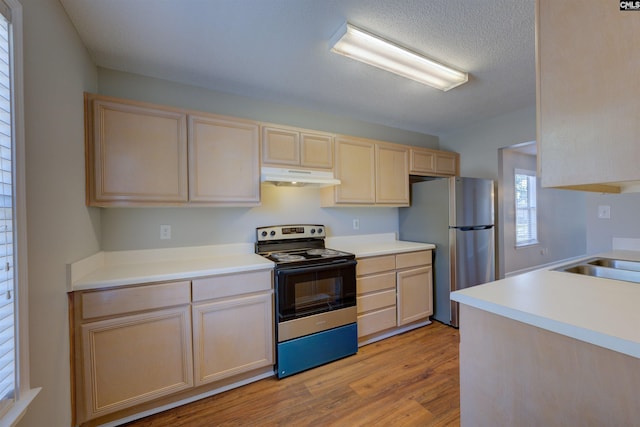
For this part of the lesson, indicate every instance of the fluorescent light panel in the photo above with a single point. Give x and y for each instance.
(362, 46)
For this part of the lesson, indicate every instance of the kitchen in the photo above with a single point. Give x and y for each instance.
(62, 230)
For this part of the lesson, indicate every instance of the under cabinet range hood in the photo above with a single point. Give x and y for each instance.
(298, 177)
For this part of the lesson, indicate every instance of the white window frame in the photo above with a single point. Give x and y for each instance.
(531, 208)
(25, 394)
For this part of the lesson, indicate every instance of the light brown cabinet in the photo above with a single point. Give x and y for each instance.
(141, 154)
(587, 95)
(428, 162)
(136, 153)
(415, 286)
(133, 346)
(392, 175)
(393, 291)
(286, 147)
(233, 332)
(376, 294)
(355, 168)
(224, 161)
(371, 173)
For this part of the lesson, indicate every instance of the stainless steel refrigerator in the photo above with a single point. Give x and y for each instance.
(456, 214)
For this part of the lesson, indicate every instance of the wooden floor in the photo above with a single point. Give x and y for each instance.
(407, 380)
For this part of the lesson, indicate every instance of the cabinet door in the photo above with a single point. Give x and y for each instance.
(137, 153)
(422, 161)
(133, 359)
(232, 336)
(280, 146)
(415, 295)
(316, 151)
(392, 175)
(355, 167)
(588, 91)
(224, 163)
(446, 163)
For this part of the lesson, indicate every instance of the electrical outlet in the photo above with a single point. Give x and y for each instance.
(165, 232)
(356, 224)
(604, 212)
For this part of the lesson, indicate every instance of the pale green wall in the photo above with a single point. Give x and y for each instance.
(141, 88)
(561, 220)
(57, 69)
(140, 228)
(478, 143)
(623, 222)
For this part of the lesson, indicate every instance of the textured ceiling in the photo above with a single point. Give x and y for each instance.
(277, 50)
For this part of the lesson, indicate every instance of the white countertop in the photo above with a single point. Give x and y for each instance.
(108, 269)
(599, 311)
(374, 244)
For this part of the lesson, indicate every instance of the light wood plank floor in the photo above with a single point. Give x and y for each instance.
(407, 380)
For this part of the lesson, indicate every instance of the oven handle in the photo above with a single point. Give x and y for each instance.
(318, 267)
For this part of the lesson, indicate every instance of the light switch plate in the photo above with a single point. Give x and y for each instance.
(604, 212)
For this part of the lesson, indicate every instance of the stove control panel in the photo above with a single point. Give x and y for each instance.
(285, 232)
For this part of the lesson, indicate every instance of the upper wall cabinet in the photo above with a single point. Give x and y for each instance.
(587, 95)
(428, 162)
(392, 177)
(224, 160)
(282, 146)
(136, 153)
(142, 154)
(372, 173)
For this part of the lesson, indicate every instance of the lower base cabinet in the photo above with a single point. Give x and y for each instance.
(232, 336)
(143, 346)
(134, 359)
(415, 290)
(393, 291)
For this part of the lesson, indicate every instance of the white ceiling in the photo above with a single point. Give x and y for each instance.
(277, 50)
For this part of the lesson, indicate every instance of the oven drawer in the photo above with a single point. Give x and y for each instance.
(375, 283)
(315, 323)
(413, 259)
(376, 300)
(375, 264)
(376, 321)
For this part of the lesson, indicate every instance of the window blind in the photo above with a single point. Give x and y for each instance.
(526, 214)
(7, 294)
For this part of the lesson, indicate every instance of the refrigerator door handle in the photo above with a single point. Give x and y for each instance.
(474, 227)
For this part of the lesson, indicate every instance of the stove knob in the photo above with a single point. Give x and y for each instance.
(273, 233)
(263, 234)
(319, 230)
(313, 231)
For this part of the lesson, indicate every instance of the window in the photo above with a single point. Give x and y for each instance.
(15, 392)
(525, 198)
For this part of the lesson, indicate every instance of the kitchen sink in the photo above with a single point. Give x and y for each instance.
(616, 263)
(608, 268)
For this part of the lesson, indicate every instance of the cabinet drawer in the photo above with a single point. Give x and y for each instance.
(376, 283)
(376, 300)
(126, 300)
(375, 264)
(376, 321)
(412, 259)
(231, 284)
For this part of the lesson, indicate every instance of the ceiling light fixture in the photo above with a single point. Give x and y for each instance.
(363, 46)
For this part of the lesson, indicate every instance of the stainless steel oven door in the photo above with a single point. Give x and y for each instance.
(311, 290)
